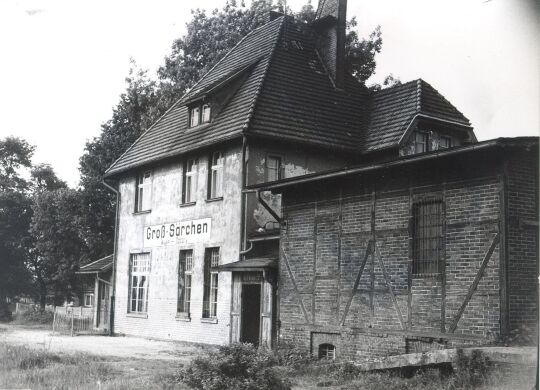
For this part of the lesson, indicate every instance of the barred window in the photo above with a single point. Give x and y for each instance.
(327, 351)
(210, 293)
(427, 236)
(185, 269)
(138, 277)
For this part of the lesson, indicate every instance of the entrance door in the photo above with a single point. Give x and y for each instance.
(251, 313)
(103, 308)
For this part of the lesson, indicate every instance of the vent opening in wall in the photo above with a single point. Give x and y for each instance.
(327, 351)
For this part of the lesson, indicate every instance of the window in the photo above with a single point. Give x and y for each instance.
(185, 268)
(194, 116)
(190, 181)
(88, 299)
(211, 261)
(138, 282)
(420, 142)
(445, 142)
(427, 229)
(143, 196)
(205, 113)
(199, 114)
(215, 183)
(273, 168)
(327, 351)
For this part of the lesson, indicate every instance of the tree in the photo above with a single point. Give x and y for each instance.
(57, 243)
(15, 215)
(210, 35)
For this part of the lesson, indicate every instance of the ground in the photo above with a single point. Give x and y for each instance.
(33, 357)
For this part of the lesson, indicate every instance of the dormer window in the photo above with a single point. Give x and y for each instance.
(199, 114)
(445, 142)
(420, 142)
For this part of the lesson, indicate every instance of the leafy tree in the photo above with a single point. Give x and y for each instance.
(57, 244)
(44, 179)
(15, 215)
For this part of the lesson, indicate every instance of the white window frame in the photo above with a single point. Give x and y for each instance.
(277, 169)
(144, 191)
(91, 297)
(206, 113)
(194, 116)
(190, 181)
(139, 280)
(448, 139)
(185, 281)
(423, 142)
(216, 175)
(210, 295)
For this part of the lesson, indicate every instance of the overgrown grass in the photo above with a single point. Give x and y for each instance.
(34, 317)
(22, 367)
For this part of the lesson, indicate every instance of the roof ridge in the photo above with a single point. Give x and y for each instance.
(95, 261)
(418, 95)
(179, 100)
(263, 77)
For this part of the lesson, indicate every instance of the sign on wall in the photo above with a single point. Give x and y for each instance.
(195, 230)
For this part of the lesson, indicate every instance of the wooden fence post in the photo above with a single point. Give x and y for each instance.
(54, 319)
(72, 311)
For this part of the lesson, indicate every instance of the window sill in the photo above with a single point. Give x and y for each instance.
(142, 212)
(183, 317)
(211, 320)
(434, 275)
(137, 315)
(188, 204)
(214, 199)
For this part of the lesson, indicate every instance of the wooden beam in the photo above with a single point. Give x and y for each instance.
(293, 280)
(474, 284)
(387, 280)
(356, 282)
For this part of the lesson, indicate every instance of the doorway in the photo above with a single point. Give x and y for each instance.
(251, 313)
(103, 305)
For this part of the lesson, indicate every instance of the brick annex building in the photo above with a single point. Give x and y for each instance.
(280, 200)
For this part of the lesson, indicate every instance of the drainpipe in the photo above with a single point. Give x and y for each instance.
(115, 250)
(243, 200)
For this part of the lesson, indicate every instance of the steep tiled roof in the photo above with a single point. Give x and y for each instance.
(170, 136)
(392, 110)
(286, 93)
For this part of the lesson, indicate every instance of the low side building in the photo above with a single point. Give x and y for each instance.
(420, 252)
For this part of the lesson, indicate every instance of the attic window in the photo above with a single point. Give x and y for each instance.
(199, 114)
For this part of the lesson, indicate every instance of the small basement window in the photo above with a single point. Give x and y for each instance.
(327, 351)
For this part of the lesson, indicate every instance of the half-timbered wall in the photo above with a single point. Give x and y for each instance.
(345, 264)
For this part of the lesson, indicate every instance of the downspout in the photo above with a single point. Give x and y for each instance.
(115, 251)
(243, 199)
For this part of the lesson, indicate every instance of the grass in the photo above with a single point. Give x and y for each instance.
(25, 368)
(22, 367)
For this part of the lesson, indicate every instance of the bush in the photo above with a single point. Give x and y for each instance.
(236, 367)
(35, 317)
(471, 371)
(293, 356)
(5, 312)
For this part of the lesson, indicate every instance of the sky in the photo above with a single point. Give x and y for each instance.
(64, 62)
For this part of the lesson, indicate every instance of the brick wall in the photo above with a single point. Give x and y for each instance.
(327, 234)
(522, 201)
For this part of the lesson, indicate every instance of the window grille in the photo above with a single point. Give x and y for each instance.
(427, 236)
(185, 269)
(139, 273)
(210, 294)
(327, 351)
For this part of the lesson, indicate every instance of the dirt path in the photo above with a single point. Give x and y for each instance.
(123, 347)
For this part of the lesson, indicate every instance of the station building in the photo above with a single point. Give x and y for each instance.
(206, 252)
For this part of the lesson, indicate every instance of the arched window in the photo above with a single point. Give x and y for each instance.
(327, 351)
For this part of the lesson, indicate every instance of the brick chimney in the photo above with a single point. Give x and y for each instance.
(330, 26)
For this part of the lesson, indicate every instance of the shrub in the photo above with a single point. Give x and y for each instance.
(236, 367)
(35, 317)
(471, 371)
(5, 312)
(289, 355)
